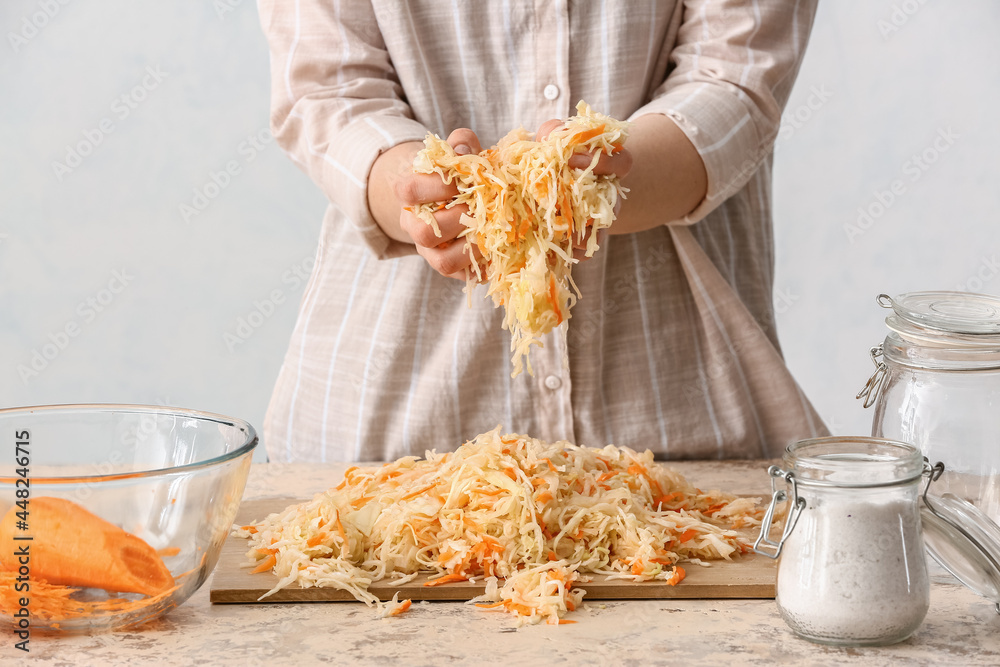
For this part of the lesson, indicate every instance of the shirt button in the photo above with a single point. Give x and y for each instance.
(551, 92)
(553, 382)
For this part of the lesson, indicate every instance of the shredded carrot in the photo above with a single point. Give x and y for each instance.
(363, 500)
(342, 533)
(528, 209)
(265, 565)
(493, 528)
(51, 602)
(167, 552)
(554, 299)
(587, 135)
(418, 492)
(446, 579)
(402, 607)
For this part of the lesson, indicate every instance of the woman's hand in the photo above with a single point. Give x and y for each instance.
(447, 254)
(619, 164)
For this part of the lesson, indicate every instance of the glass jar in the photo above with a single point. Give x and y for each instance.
(937, 386)
(852, 570)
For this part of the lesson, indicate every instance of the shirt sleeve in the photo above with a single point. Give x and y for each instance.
(336, 102)
(731, 71)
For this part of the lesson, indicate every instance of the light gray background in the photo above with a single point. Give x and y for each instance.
(115, 295)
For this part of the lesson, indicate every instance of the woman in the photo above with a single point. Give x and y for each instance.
(672, 346)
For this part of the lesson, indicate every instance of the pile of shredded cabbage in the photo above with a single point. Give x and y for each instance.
(532, 519)
(527, 208)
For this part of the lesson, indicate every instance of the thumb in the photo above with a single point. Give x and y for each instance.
(464, 141)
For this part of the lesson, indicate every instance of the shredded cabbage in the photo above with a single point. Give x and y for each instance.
(533, 519)
(527, 207)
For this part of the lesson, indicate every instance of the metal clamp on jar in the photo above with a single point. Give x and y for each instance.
(936, 385)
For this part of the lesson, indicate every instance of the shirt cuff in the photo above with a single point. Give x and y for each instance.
(723, 132)
(348, 168)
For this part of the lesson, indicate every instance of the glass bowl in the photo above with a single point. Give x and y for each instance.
(99, 502)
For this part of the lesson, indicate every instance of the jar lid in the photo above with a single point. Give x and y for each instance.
(952, 312)
(933, 338)
(964, 541)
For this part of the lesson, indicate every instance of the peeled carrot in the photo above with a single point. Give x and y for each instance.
(73, 547)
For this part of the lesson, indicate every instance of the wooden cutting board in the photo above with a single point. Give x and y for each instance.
(748, 576)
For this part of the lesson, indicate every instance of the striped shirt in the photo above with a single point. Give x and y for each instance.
(673, 345)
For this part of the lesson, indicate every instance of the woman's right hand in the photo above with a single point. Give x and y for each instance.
(447, 254)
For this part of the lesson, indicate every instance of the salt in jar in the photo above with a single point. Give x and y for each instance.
(852, 570)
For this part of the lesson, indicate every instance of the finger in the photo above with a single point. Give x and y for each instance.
(619, 164)
(449, 222)
(470, 270)
(546, 128)
(580, 250)
(464, 141)
(423, 188)
(449, 259)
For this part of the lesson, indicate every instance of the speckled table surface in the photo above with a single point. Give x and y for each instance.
(960, 628)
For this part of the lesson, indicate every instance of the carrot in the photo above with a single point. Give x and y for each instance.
(251, 529)
(446, 579)
(342, 533)
(554, 299)
(688, 534)
(401, 607)
(564, 621)
(52, 602)
(587, 135)
(265, 565)
(543, 497)
(315, 539)
(358, 502)
(522, 609)
(73, 547)
(168, 551)
(416, 493)
(677, 577)
(670, 497)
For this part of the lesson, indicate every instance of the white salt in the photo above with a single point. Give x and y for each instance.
(853, 571)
